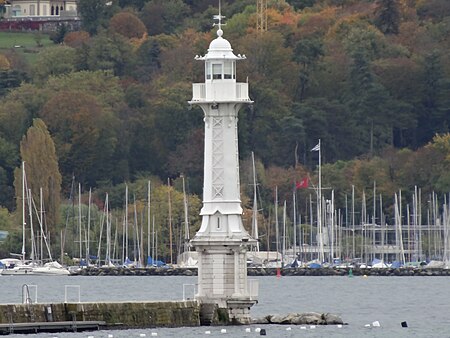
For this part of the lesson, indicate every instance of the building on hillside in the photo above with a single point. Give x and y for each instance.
(40, 8)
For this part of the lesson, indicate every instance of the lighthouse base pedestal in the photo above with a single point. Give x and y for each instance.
(236, 312)
(239, 310)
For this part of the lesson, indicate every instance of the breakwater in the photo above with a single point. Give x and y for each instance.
(122, 315)
(172, 271)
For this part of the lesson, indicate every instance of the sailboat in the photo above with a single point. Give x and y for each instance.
(188, 258)
(33, 267)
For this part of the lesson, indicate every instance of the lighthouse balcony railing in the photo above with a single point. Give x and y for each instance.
(220, 91)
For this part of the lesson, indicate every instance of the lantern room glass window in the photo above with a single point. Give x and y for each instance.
(217, 71)
(228, 70)
(208, 71)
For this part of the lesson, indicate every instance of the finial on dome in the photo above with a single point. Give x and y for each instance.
(219, 32)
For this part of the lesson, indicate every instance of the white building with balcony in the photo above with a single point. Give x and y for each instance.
(40, 8)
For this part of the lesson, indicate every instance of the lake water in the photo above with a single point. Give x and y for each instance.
(423, 302)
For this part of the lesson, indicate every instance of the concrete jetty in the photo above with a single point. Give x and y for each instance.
(74, 317)
(23, 318)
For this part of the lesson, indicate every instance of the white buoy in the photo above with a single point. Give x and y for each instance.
(154, 334)
(207, 332)
(302, 327)
(248, 329)
(367, 325)
(142, 335)
(90, 337)
(110, 336)
(258, 330)
(376, 324)
(223, 331)
(339, 326)
(312, 326)
(288, 329)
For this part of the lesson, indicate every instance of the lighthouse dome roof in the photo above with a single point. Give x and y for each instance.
(220, 48)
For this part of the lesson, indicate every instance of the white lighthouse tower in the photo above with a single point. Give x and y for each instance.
(222, 242)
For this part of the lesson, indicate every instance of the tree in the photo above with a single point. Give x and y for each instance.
(434, 116)
(138, 4)
(85, 135)
(42, 172)
(58, 36)
(9, 156)
(306, 54)
(164, 16)
(95, 14)
(387, 16)
(4, 63)
(147, 60)
(301, 4)
(10, 79)
(127, 24)
(109, 52)
(54, 61)
(76, 39)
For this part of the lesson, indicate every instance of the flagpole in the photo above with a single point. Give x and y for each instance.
(319, 206)
(319, 218)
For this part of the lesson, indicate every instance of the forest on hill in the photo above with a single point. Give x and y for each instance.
(107, 106)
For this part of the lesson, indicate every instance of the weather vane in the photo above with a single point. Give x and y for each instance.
(219, 17)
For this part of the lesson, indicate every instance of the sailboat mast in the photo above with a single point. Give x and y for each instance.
(186, 217)
(126, 222)
(153, 241)
(353, 223)
(283, 252)
(294, 243)
(79, 220)
(255, 234)
(108, 233)
(23, 212)
(276, 223)
(148, 219)
(88, 227)
(41, 238)
(136, 236)
(374, 222)
(30, 214)
(170, 221)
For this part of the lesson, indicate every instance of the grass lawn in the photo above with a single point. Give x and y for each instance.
(27, 42)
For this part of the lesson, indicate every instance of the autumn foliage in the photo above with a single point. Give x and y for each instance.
(128, 25)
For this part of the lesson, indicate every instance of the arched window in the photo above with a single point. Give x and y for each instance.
(52, 10)
(17, 10)
(57, 10)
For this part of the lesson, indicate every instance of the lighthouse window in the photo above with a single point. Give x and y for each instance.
(227, 70)
(217, 71)
(208, 71)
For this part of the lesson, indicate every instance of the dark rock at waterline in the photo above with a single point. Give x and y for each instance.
(329, 271)
(307, 318)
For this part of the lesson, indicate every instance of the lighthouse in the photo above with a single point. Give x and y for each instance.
(222, 242)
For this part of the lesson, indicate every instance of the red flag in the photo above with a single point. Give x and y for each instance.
(302, 184)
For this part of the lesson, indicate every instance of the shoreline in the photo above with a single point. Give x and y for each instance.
(387, 272)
